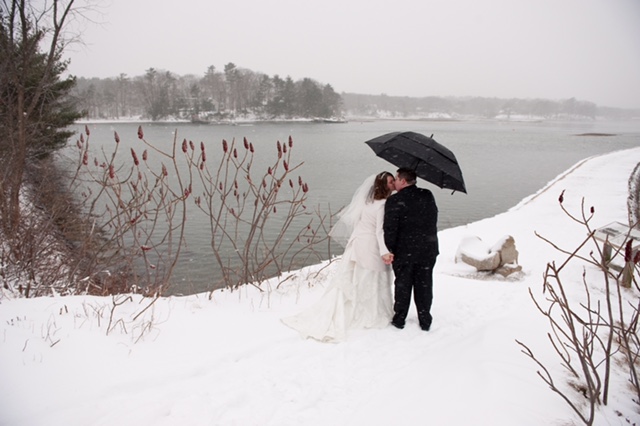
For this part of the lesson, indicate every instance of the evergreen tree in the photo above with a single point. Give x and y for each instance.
(232, 78)
(289, 98)
(275, 105)
(331, 102)
(35, 107)
(309, 99)
(265, 91)
(32, 78)
(159, 93)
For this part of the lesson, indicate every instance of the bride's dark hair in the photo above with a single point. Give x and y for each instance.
(380, 189)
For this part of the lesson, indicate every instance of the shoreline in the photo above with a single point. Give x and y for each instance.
(363, 119)
(633, 203)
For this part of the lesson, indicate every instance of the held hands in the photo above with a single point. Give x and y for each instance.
(387, 258)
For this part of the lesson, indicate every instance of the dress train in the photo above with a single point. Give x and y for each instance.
(357, 298)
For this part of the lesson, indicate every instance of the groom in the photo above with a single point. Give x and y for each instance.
(411, 235)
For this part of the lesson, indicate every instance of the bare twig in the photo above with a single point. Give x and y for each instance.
(587, 339)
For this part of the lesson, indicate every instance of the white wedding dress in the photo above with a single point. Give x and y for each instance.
(359, 295)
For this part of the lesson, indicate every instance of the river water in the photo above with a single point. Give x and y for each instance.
(502, 162)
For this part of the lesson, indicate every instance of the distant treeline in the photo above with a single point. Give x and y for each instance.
(241, 93)
(433, 106)
(218, 95)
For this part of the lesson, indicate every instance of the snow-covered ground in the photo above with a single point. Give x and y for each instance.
(228, 360)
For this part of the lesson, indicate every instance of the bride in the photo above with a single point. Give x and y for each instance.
(359, 295)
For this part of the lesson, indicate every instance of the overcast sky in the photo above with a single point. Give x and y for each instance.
(555, 49)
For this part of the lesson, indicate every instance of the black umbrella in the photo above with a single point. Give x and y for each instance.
(430, 160)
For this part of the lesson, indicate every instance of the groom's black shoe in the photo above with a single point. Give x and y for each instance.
(396, 325)
(425, 327)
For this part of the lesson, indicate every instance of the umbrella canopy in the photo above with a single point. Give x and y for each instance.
(430, 160)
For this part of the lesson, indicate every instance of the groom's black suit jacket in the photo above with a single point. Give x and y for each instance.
(410, 225)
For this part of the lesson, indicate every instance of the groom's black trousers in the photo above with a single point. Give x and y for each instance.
(419, 278)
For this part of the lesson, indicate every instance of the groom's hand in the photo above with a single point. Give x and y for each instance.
(387, 259)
